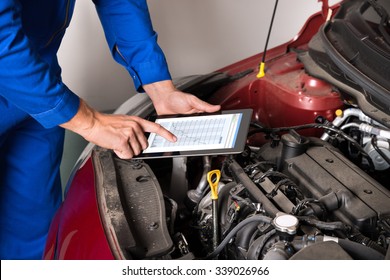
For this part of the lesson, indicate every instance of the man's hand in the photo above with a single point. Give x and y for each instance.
(125, 134)
(121, 133)
(168, 100)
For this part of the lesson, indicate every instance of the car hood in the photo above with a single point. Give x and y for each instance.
(352, 51)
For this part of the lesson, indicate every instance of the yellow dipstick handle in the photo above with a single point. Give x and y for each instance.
(214, 183)
(261, 73)
(213, 179)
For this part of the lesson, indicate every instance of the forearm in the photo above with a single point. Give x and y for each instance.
(83, 121)
(158, 90)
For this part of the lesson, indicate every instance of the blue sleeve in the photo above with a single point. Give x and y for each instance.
(132, 40)
(25, 79)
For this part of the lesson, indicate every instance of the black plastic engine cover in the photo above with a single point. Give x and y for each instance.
(321, 170)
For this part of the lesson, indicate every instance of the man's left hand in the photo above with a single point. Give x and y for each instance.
(168, 100)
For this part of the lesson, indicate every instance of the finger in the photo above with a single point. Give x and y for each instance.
(136, 138)
(138, 143)
(158, 129)
(143, 141)
(125, 153)
(135, 146)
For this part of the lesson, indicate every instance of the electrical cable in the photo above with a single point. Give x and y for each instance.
(379, 151)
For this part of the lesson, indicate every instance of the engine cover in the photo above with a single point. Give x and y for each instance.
(319, 169)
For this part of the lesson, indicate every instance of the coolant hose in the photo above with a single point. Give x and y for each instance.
(358, 251)
(196, 194)
(223, 200)
(360, 238)
(244, 236)
(258, 245)
(330, 226)
(233, 232)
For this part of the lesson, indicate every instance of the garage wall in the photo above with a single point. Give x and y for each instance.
(197, 36)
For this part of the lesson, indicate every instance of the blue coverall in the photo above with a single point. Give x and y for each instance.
(34, 101)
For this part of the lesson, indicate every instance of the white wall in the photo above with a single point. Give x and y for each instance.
(198, 36)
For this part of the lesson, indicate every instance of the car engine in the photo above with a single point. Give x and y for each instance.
(285, 199)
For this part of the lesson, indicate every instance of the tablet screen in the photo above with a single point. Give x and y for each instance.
(222, 133)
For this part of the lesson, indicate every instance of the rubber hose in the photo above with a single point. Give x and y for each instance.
(358, 251)
(223, 198)
(256, 246)
(244, 236)
(233, 232)
(360, 238)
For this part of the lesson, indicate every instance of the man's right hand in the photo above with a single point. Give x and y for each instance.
(124, 134)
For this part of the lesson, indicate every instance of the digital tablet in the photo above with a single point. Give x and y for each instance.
(224, 132)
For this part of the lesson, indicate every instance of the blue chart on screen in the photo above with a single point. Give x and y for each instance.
(194, 132)
(201, 132)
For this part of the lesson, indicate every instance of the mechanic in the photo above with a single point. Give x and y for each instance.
(36, 107)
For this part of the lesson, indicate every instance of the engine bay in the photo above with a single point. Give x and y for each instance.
(283, 199)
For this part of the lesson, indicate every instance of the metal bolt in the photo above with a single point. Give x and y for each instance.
(153, 226)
